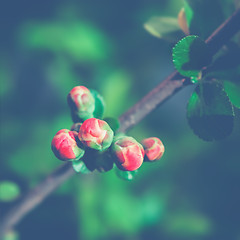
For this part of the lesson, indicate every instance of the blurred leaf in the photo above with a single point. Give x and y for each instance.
(79, 40)
(26, 161)
(188, 225)
(99, 104)
(8, 191)
(204, 16)
(88, 206)
(116, 89)
(80, 167)
(125, 209)
(209, 112)
(188, 12)
(182, 21)
(11, 235)
(61, 74)
(113, 123)
(190, 55)
(162, 27)
(126, 175)
(153, 209)
(233, 91)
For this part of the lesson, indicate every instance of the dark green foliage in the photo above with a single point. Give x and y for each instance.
(233, 91)
(226, 68)
(190, 55)
(206, 17)
(226, 59)
(209, 112)
(94, 160)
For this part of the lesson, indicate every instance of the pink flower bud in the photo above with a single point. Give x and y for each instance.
(96, 134)
(65, 145)
(154, 148)
(81, 102)
(128, 152)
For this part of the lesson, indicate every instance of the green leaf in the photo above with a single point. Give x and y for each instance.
(126, 175)
(162, 27)
(190, 55)
(209, 112)
(99, 104)
(81, 41)
(8, 191)
(116, 88)
(233, 91)
(187, 225)
(11, 235)
(80, 167)
(113, 123)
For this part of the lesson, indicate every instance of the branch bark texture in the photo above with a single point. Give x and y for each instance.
(167, 88)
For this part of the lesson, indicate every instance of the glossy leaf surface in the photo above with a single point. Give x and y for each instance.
(190, 55)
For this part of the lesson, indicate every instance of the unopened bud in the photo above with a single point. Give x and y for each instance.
(81, 102)
(128, 153)
(153, 148)
(65, 145)
(96, 134)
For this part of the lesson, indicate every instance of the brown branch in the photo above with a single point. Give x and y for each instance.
(171, 85)
(35, 196)
(151, 101)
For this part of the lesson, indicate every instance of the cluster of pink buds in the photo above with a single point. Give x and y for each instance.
(130, 154)
(91, 144)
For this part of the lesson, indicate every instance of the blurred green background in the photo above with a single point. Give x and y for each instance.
(48, 47)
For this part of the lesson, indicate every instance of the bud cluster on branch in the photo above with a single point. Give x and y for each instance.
(92, 143)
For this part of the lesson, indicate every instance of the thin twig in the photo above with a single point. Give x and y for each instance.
(151, 101)
(35, 196)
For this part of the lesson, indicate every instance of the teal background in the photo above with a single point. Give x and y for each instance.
(47, 48)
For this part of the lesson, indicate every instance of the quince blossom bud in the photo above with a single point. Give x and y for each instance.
(96, 134)
(154, 148)
(65, 145)
(128, 152)
(81, 102)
